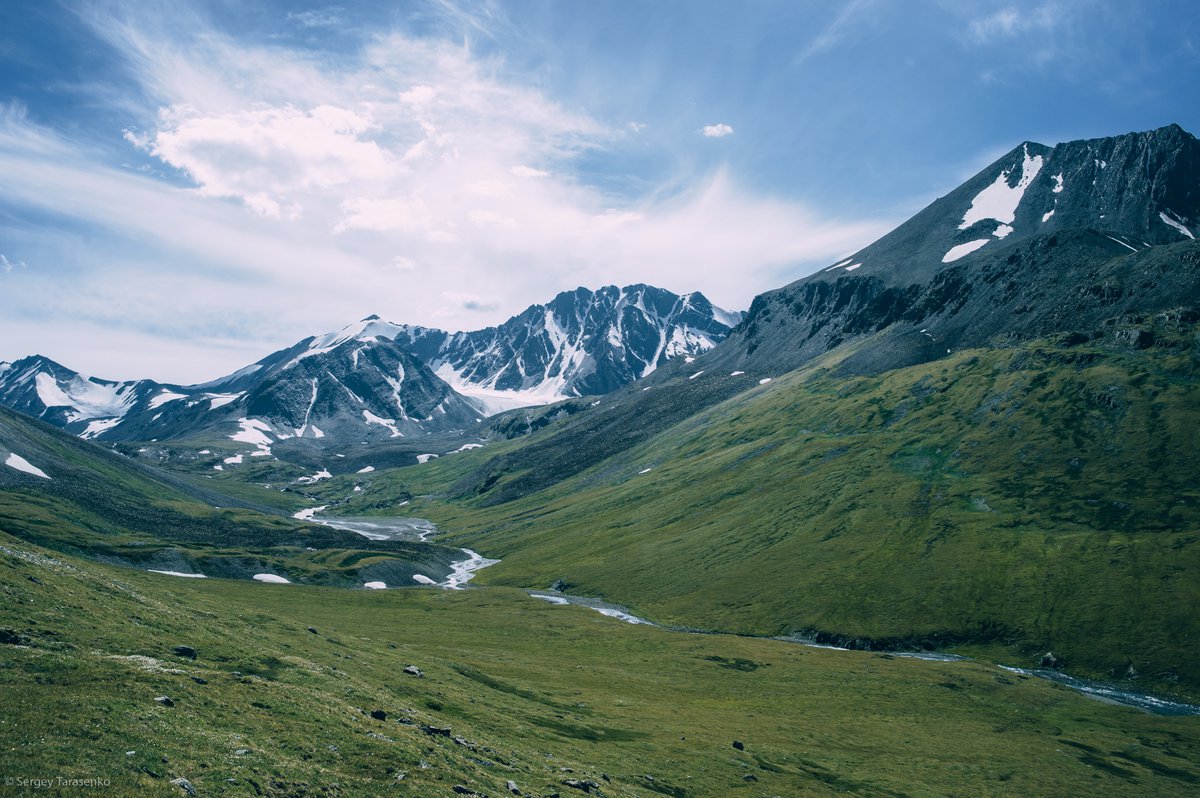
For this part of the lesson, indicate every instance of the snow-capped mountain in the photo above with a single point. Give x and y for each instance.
(374, 379)
(580, 343)
(86, 406)
(1046, 239)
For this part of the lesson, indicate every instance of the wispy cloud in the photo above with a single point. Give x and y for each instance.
(1013, 21)
(317, 18)
(838, 27)
(383, 181)
(717, 131)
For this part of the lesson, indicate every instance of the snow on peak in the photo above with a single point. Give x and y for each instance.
(999, 201)
(370, 327)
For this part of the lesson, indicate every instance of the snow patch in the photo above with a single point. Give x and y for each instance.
(307, 515)
(1173, 221)
(999, 201)
(422, 579)
(962, 250)
(422, 459)
(366, 470)
(235, 460)
(853, 266)
(177, 573)
(86, 398)
(736, 373)
(252, 431)
(466, 447)
(271, 579)
(1058, 184)
(21, 464)
(389, 423)
(1122, 243)
(218, 400)
(645, 471)
(764, 380)
(95, 428)
(375, 585)
(164, 397)
(697, 374)
(1046, 216)
(1002, 231)
(317, 477)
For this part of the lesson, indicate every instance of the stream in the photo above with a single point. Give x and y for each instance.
(415, 530)
(420, 530)
(1099, 691)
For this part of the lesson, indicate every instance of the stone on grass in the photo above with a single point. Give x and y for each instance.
(184, 785)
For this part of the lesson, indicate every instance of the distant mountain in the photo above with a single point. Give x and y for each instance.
(376, 380)
(580, 343)
(1046, 239)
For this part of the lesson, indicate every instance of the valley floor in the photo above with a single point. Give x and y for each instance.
(297, 690)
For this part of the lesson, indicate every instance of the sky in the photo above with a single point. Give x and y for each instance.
(186, 187)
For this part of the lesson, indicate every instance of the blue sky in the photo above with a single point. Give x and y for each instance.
(186, 186)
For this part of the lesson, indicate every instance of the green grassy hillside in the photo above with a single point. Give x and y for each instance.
(98, 504)
(1042, 497)
(279, 701)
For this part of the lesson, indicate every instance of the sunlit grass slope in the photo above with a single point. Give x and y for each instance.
(279, 698)
(1041, 497)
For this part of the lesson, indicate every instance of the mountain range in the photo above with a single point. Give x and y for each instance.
(376, 380)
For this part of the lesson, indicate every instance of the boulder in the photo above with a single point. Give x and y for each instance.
(435, 731)
(165, 701)
(413, 670)
(378, 714)
(186, 652)
(184, 785)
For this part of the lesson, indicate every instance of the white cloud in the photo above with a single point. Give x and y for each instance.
(314, 18)
(718, 131)
(1012, 21)
(309, 179)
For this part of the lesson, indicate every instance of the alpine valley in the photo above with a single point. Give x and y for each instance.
(882, 534)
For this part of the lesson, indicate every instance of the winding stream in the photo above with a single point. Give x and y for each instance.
(414, 530)
(420, 530)
(1098, 690)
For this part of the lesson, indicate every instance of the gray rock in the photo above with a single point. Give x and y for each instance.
(738, 745)
(413, 670)
(512, 787)
(165, 701)
(1049, 660)
(435, 731)
(185, 651)
(184, 785)
(586, 785)
(378, 714)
